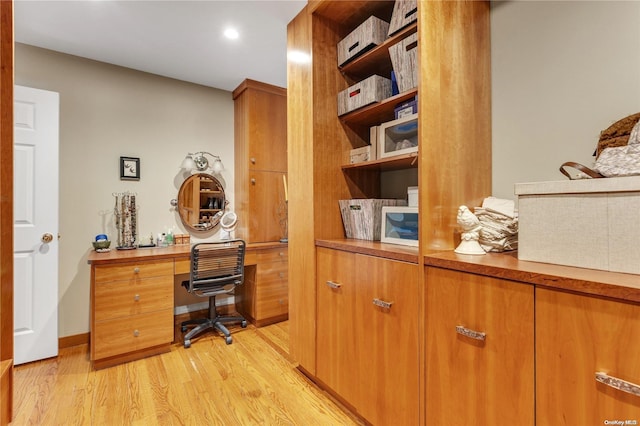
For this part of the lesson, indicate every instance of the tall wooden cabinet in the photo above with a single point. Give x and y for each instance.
(453, 162)
(261, 205)
(260, 114)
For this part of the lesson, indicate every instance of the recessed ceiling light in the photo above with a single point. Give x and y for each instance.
(231, 33)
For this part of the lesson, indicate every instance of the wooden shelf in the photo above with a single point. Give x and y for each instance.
(379, 112)
(373, 248)
(398, 162)
(376, 60)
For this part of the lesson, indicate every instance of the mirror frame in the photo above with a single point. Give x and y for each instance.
(192, 202)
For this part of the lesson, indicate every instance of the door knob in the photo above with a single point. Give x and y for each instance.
(47, 238)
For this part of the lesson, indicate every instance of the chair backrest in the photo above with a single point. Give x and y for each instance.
(216, 267)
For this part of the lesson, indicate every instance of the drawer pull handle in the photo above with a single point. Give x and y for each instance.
(253, 181)
(333, 285)
(281, 253)
(136, 270)
(281, 274)
(253, 160)
(618, 384)
(382, 303)
(136, 333)
(478, 335)
(136, 297)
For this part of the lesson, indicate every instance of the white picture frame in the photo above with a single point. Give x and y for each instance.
(398, 136)
(399, 225)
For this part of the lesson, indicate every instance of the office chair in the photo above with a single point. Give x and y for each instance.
(216, 268)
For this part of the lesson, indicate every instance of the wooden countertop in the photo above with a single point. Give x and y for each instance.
(159, 253)
(373, 248)
(615, 285)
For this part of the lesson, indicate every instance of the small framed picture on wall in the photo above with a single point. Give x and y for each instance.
(129, 168)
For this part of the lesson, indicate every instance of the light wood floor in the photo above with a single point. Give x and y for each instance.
(250, 382)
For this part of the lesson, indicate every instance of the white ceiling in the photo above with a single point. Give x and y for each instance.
(177, 39)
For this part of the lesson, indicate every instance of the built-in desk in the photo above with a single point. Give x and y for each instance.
(132, 297)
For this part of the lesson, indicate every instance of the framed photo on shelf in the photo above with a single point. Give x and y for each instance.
(399, 225)
(129, 168)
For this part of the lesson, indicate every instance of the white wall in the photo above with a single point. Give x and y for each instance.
(561, 73)
(107, 112)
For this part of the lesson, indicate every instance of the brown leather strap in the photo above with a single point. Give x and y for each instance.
(587, 171)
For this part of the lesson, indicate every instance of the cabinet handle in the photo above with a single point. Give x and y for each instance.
(281, 253)
(382, 303)
(253, 160)
(281, 274)
(253, 181)
(136, 297)
(136, 270)
(478, 335)
(333, 285)
(136, 333)
(618, 384)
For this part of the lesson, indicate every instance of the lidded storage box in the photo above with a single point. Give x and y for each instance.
(362, 218)
(588, 223)
(368, 91)
(370, 33)
(405, 12)
(404, 59)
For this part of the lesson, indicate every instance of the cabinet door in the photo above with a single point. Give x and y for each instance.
(387, 340)
(337, 324)
(470, 380)
(267, 210)
(267, 130)
(576, 338)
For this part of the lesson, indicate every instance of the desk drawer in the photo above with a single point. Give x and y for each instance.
(272, 255)
(272, 292)
(130, 334)
(133, 271)
(118, 299)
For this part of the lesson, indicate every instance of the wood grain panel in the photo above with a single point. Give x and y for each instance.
(492, 380)
(577, 336)
(272, 295)
(267, 256)
(116, 337)
(455, 115)
(133, 271)
(337, 323)
(387, 341)
(119, 299)
(6, 211)
(301, 204)
(267, 207)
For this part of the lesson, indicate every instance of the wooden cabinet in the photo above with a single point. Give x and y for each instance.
(578, 339)
(131, 310)
(264, 298)
(260, 161)
(453, 164)
(367, 343)
(479, 350)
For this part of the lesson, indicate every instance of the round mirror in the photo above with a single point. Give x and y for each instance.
(201, 202)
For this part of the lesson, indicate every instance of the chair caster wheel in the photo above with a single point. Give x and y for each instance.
(243, 324)
(183, 328)
(187, 344)
(228, 340)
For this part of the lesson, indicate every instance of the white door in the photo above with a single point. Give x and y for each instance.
(35, 198)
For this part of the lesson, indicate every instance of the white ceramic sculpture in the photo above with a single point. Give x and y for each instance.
(470, 226)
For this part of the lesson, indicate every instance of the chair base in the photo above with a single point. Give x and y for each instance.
(214, 321)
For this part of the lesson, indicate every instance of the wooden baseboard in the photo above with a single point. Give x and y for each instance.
(75, 340)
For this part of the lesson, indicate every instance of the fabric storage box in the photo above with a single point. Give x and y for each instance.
(368, 91)
(362, 218)
(588, 223)
(360, 155)
(404, 58)
(370, 33)
(404, 13)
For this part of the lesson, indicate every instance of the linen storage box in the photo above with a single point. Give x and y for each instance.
(362, 218)
(370, 33)
(368, 91)
(404, 57)
(404, 13)
(588, 223)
